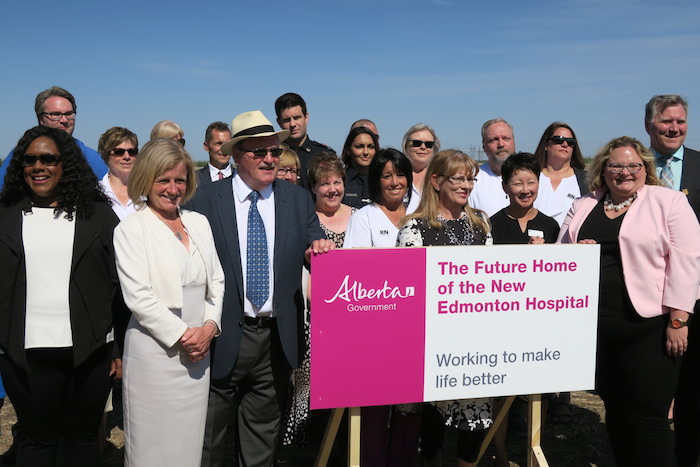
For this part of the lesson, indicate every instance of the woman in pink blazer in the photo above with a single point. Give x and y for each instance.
(649, 277)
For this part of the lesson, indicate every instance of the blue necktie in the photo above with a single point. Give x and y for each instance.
(257, 275)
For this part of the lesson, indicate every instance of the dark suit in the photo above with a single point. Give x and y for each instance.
(687, 405)
(204, 175)
(296, 226)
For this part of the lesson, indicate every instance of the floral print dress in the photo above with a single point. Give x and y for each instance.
(466, 414)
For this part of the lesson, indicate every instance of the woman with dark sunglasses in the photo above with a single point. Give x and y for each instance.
(563, 178)
(420, 144)
(59, 284)
(118, 147)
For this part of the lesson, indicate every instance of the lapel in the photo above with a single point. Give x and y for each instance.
(11, 234)
(226, 217)
(281, 222)
(691, 169)
(85, 234)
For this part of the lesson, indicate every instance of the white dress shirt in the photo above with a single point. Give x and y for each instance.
(266, 208)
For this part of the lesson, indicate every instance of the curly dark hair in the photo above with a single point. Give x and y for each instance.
(77, 190)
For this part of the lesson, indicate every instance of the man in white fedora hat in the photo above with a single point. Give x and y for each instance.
(264, 230)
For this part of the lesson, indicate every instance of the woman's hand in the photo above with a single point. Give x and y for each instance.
(587, 241)
(116, 368)
(196, 341)
(536, 241)
(677, 339)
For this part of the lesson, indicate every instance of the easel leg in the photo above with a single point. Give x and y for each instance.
(354, 437)
(535, 455)
(496, 423)
(329, 437)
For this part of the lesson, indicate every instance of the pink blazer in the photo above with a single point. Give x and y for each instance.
(659, 246)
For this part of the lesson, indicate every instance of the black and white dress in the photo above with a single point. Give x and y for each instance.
(466, 414)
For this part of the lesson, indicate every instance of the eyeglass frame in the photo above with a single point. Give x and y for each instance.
(618, 168)
(428, 144)
(57, 116)
(133, 152)
(451, 179)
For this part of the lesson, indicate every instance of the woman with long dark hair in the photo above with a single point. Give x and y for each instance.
(58, 281)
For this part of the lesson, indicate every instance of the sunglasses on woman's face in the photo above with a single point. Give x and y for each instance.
(416, 143)
(119, 152)
(48, 160)
(560, 140)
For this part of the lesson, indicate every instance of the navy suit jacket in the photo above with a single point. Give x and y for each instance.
(296, 226)
(690, 178)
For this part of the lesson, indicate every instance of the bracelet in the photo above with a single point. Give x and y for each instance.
(213, 323)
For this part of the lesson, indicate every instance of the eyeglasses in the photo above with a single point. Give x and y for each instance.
(560, 140)
(631, 168)
(48, 160)
(57, 116)
(181, 141)
(287, 170)
(460, 180)
(119, 152)
(416, 143)
(259, 153)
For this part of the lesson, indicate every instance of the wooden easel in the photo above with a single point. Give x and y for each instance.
(535, 457)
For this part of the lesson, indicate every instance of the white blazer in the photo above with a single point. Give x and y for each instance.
(150, 276)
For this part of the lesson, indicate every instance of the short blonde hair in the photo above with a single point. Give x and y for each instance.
(597, 167)
(155, 158)
(289, 158)
(166, 129)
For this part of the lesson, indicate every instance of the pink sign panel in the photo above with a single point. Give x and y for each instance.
(367, 327)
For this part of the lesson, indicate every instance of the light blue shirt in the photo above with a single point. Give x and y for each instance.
(676, 166)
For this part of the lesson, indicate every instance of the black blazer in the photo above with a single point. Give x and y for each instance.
(296, 226)
(204, 177)
(93, 286)
(690, 178)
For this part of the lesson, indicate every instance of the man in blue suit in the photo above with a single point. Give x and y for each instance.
(264, 230)
(56, 108)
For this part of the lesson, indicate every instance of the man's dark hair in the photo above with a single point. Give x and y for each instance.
(287, 101)
(216, 126)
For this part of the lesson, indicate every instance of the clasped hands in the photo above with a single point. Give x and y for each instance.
(196, 340)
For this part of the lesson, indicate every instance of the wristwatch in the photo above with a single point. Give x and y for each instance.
(677, 323)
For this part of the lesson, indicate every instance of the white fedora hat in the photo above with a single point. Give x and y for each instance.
(251, 124)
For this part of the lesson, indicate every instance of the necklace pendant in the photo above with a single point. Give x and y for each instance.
(178, 235)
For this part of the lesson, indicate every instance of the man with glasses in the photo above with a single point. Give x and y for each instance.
(499, 143)
(678, 168)
(56, 108)
(219, 166)
(293, 117)
(264, 231)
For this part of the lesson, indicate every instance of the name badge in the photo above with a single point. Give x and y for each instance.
(535, 233)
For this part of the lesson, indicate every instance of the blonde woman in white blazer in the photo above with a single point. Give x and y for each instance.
(173, 284)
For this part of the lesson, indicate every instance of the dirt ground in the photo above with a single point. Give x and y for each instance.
(581, 443)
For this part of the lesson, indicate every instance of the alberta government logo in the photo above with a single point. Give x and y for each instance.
(355, 292)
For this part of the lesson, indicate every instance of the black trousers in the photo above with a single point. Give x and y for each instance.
(54, 400)
(257, 387)
(637, 380)
(687, 407)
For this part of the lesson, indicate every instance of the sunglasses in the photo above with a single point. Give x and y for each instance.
(120, 152)
(259, 153)
(560, 140)
(48, 160)
(416, 143)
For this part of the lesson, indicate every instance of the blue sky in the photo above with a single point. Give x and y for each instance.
(448, 63)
